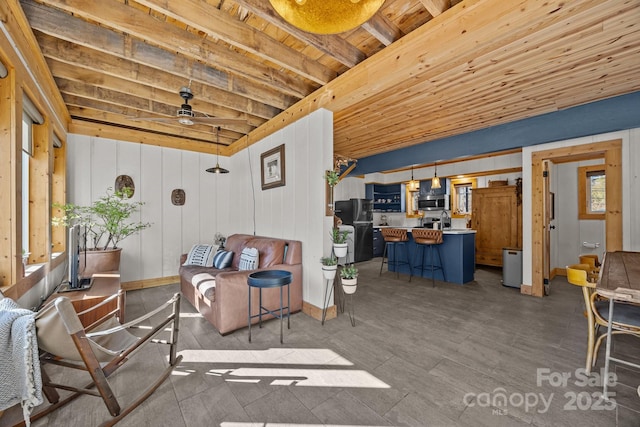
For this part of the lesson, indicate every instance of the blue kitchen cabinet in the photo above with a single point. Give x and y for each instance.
(386, 197)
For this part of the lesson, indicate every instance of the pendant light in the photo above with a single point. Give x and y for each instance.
(326, 16)
(217, 169)
(413, 184)
(435, 182)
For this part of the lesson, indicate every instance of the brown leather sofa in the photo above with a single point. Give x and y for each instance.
(222, 297)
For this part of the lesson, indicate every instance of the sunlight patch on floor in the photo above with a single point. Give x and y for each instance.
(292, 356)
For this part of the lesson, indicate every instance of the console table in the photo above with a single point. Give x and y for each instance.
(104, 285)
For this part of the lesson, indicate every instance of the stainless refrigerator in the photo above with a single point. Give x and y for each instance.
(359, 214)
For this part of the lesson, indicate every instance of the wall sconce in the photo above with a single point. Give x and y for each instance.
(435, 182)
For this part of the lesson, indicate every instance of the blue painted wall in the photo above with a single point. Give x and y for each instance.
(608, 115)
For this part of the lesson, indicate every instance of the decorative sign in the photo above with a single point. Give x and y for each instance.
(178, 197)
(125, 181)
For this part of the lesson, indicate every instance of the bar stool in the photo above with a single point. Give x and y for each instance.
(394, 237)
(430, 239)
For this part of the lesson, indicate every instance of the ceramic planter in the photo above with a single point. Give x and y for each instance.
(329, 271)
(349, 285)
(340, 249)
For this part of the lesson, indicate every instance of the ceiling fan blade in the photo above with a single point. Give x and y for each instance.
(154, 119)
(218, 121)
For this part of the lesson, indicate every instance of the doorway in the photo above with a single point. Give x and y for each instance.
(612, 153)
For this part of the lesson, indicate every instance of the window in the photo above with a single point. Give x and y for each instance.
(592, 194)
(27, 147)
(461, 195)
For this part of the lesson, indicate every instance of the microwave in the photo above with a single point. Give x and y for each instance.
(433, 202)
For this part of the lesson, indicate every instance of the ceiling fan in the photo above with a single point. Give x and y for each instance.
(186, 116)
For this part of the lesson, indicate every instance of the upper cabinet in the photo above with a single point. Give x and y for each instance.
(386, 197)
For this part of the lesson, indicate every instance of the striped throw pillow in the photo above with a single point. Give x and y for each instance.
(201, 255)
(248, 259)
(222, 259)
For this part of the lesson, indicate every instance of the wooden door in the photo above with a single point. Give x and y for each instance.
(495, 219)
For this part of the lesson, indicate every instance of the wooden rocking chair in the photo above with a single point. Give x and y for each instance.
(100, 349)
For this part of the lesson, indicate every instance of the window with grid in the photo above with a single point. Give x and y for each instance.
(592, 192)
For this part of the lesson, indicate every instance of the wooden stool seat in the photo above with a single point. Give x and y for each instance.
(395, 237)
(429, 238)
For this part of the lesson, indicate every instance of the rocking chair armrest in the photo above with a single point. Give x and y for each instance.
(173, 301)
(107, 300)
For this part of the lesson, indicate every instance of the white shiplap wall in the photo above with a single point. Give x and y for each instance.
(222, 203)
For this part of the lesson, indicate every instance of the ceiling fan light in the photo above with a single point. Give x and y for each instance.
(326, 16)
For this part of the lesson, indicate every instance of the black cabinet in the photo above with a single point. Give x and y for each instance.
(386, 197)
(378, 243)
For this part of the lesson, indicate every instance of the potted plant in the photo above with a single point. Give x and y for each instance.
(339, 239)
(329, 267)
(104, 224)
(332, 177)
(349, 275)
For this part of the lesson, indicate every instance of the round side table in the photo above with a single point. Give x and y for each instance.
(270, 279)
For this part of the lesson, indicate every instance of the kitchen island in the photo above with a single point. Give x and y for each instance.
(458, 253)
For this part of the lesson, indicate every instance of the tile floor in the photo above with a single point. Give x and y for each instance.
(474, 355)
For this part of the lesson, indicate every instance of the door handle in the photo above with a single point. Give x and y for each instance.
(552, 227)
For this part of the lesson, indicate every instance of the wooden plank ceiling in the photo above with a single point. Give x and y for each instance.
(419, 70)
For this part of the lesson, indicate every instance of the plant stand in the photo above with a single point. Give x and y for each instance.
(328, 291)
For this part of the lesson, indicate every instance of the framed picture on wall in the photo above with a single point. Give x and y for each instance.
(272, 166)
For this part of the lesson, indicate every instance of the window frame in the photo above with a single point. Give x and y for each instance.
(584, 173)
(455, 182)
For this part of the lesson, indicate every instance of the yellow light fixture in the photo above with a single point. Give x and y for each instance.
(435, 182)
(326, 16)
(413, 184)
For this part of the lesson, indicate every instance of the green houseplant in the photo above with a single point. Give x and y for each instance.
(339, 239)
(329, 267)
(103, 225)
(349, 275)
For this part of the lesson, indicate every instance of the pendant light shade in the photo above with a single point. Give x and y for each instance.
(326, 16)
(435, 182)
(413, 184)
(217, 168)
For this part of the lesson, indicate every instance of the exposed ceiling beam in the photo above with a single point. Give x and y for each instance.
(436, 7)
(85, 60)
(159, 94)
(220, 25)
(382, 29)
(232, 72)
(331, 45)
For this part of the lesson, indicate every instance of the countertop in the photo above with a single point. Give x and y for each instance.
(446, 231)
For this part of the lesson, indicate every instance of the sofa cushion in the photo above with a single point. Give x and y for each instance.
(249, 259)
(201, 255)
(271, 251)
(222, 259)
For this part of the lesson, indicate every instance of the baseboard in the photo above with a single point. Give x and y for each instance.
(559, 272)
(150, 283)
(316, 312)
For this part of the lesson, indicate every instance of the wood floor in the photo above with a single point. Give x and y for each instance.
(418, 356)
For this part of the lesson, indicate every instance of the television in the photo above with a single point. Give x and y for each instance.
(75, 280)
